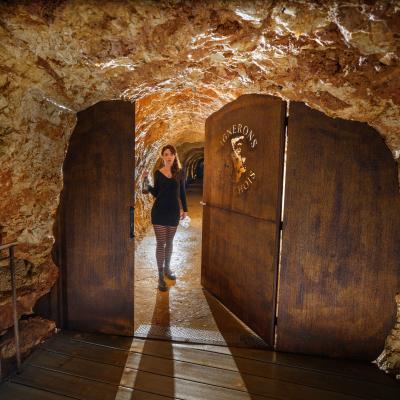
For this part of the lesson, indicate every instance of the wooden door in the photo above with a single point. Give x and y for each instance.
(340, 247)
(95, 221)
(244, 148)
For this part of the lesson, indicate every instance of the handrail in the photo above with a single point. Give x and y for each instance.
(10, 247)
(7, 245)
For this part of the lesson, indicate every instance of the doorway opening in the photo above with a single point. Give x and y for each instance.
(186, 312)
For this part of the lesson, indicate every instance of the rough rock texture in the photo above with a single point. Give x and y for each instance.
(389, 359)
(32, 283)
(180, 61)
(32, 332)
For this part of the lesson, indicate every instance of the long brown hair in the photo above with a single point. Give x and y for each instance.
(176, 165)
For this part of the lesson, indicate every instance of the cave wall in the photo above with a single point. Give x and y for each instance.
(180, 61)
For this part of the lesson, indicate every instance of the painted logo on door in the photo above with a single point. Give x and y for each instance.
(241, 139)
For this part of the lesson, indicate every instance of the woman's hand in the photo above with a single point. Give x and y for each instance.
(145, 173)
(183, 214)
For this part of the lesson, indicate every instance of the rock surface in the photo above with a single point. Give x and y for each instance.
(180, 61)
(32, 283)
(389, 359)
(32, 332)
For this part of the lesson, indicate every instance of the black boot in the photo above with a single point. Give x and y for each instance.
(162, 286)
(168, 273)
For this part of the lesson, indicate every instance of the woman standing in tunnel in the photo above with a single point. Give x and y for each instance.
(169, 186)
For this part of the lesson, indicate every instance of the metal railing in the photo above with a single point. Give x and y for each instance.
(11, 265)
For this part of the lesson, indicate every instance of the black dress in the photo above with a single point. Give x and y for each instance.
(167, 191)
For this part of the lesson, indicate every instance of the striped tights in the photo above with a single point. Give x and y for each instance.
(164, 237)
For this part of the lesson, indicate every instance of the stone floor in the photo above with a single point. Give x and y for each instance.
(186, 312)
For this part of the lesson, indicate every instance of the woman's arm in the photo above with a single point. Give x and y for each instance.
(183, 193)
(154, 189)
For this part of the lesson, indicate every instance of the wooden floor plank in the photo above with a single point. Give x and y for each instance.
(78, 387)
(14, 391)
(145, 384)
(95, 366)
(136, 364)
(119, 357)
(352, 369)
